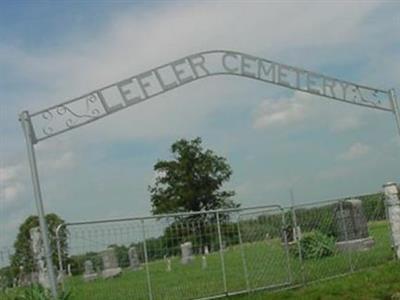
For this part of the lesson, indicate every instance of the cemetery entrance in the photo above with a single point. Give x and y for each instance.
(97, 104)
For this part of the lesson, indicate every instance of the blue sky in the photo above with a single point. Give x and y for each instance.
(274, 138)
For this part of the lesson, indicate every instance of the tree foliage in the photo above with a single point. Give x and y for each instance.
(22, 246)
(191, 181)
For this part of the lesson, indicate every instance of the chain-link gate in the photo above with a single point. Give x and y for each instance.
(219, 260)
(265, 249)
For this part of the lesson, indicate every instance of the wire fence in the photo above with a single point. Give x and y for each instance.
(206, 255)
(213, 254)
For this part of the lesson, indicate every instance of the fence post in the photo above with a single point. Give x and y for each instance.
(392, 203)
(285, 240)
(344, 228)
(146, 260)
(59, 254)
(302, 268)
(221, 254)
(245, 270)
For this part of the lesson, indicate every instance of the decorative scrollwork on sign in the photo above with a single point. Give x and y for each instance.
(371, 97)
(69, 115)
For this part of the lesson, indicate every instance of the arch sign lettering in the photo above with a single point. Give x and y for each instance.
(102, 102)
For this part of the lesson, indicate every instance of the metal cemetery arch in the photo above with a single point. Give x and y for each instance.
(102, 102)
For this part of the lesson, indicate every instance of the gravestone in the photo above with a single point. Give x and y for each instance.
(89, 273)
(110, 264)
(293, 234)
(169, 265)
(204, 262)
(297, 233)
(352, 227)
(69, 273)
(38, 257)
(392, 203)
(223, 246)
(289, 232)
(134, 262)
(187, 253)
(206, 251)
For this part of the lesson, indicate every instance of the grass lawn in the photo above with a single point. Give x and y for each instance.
(381, 282)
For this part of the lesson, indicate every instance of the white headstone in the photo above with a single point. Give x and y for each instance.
(168, 265)
(223, 246)
(89, 273)
(69, 270)
(187, 253)
(297, 233)
(133, 259)
(38, 256)
(393, 211)
(203, 262)
(110, 264)
(206, 251)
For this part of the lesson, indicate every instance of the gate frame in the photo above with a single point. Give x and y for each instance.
(31, 138)
(250, 210)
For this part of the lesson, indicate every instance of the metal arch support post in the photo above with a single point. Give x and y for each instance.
(146, 260)
(221, 254)
(30, 141)
(396, 107)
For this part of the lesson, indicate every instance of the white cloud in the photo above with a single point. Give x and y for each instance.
(279, 112)
(306, 109)
(8, 173)
(11, 186)
(346, 123)
(10, 192)
(66, 160)
(355, 151)
(15, 183)
(56, 155)
(335, 173)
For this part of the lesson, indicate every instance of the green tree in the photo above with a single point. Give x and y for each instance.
(22, 245)
(191, 181)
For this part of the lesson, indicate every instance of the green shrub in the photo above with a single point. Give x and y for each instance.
(37, 292)
(314, 245)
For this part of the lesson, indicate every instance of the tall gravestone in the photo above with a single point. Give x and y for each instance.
(392, 203)
(89, 273)
(352, 226)
(38, 257)
(110, 264)
(69, 272)
(187, 253)
(134, 262)
(204, 262)
(169, 268)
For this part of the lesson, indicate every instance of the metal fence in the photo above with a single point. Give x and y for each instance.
(212, 254)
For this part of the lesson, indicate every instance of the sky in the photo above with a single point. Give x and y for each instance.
(275, 139)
